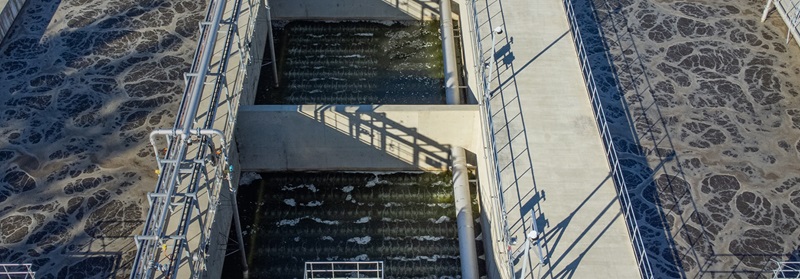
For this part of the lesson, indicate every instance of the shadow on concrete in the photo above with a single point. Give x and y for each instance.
(510, 131)
(343, 137)
(677, 243)
(397, 140)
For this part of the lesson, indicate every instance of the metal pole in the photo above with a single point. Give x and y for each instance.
(200, 78)
(766, 11)
(271, 44)
(238, 228)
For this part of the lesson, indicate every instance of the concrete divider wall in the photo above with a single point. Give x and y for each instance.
(379, 137)
(9, 9)
(355, 9)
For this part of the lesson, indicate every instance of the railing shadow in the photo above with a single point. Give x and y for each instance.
(639, 144)
(507, 142)
(393, 138)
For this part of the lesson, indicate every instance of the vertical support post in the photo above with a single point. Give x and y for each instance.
(271, 44)
(766, 10)
(238, 224)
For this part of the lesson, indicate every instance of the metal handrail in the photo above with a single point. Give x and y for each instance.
(178, 140)
(17, 271)
(642, 258)
(344, 269)
(497, 201)
(786, 270)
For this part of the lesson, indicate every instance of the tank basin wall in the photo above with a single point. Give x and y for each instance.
(355, 9)
(369, 137)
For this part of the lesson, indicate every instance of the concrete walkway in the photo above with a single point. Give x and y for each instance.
(551, 158)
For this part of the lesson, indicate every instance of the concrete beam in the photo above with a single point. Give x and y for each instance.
(320, 137)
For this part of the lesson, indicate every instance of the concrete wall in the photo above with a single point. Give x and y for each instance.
(9, 9)
(394, 137)
(355, 9)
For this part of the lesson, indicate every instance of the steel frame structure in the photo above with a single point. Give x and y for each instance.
(194, 159)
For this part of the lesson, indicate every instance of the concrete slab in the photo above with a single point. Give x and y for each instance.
(340, 137)
(551, 158)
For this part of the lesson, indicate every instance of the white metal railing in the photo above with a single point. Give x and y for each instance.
(642, 258)
(496, 191)
(16, 271)
(789, 11)
(184, 170)
(786, 270)
(333, 270)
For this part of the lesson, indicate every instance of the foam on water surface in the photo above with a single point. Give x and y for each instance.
(713, 94)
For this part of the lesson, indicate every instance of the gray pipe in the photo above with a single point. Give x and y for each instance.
(466, 230)
(463, 202)
(449, 57)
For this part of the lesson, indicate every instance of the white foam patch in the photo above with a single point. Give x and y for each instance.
(348, 189)
(312, 204)
(362, 220)
(289, 222)
(360, 240)
(290, 202)
(248, 177)
(326, 222)
(440, 220)
(310, 187)
(428, 238)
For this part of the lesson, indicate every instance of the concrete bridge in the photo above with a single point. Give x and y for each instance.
(549, 174)
(532, 129)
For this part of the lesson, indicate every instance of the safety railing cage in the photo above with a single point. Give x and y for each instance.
(336, 270)
(495, 188)
(786, 270)
(17, 271)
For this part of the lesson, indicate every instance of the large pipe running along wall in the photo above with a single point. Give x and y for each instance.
(463, 202)
(449, 57)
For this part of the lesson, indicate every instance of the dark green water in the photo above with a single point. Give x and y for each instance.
(355, 63)
(406, 220)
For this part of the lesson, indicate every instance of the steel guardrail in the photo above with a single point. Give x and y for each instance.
(642, 258)
(497, 199)
(175, 155)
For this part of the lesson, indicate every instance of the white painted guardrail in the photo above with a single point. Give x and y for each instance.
(642, 259)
